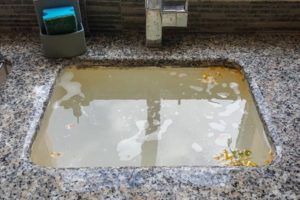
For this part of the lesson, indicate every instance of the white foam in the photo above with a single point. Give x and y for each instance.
(210, 86)
(214, 104)
(223, 94)
(217, 126)
(83, 111)
(56, 105)
(231, 108)
(165, 126)
(196, 88)
(132, 147)
(196, 147)
(163, 129)
(235, 87)
(222, 139)
(72, 88)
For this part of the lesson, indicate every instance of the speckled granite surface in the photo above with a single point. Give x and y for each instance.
(271, 64)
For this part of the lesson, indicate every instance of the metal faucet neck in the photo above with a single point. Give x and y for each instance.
(161, 14)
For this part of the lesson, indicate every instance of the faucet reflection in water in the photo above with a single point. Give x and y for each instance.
(148, 116)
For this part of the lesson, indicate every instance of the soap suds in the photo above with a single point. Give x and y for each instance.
(196, 88)
(210, 86)
(217, 126)
(235, 87)
(131, 147)
(222, 139)
(231, 108)
(196, 147)
(72, 88)
(223, 94)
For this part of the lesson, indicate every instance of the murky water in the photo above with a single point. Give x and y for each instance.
(148, 116)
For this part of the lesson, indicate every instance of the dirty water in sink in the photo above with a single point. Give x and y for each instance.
(148, 116)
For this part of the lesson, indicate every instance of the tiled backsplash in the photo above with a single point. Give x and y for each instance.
(204, 15)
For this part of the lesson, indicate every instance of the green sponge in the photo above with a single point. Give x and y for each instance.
(60, 20)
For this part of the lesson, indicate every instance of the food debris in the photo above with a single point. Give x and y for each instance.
(55, 154)
(208, 79)
(236, 158)
(270, 158)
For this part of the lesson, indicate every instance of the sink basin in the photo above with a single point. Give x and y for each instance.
(148, 116)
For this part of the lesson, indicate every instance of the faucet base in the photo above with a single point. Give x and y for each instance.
(153, 28)
(159, 15)
(153, 43)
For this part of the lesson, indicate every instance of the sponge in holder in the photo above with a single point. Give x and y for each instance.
(61, 20)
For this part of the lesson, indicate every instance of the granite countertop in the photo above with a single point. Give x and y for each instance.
(271, 64)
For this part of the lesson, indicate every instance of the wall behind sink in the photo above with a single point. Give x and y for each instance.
(204, 16)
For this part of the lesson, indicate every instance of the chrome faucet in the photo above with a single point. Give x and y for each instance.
(161, 14)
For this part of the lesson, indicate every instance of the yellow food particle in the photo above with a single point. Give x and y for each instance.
(55, 154)
(227, 156)
(216, 157)
(208, 79)
(270, 158)
(253, 164)
(236, 158)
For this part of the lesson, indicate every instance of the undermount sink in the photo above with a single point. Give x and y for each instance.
(148, 116)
